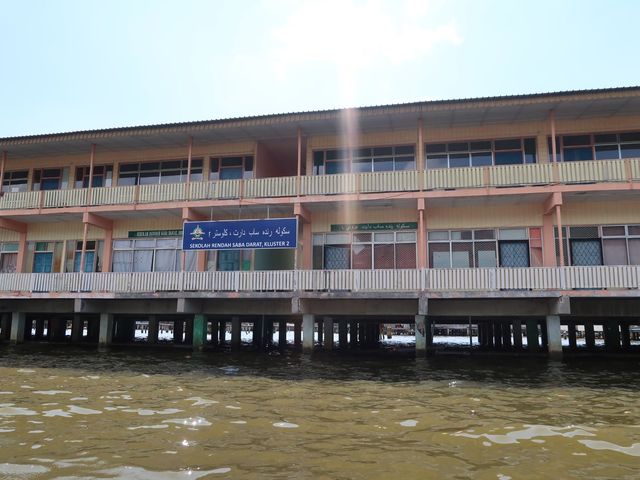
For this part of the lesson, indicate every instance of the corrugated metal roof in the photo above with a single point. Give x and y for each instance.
(292, 117)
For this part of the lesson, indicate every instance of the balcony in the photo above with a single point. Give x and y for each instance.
(427, 280)
(401, 181)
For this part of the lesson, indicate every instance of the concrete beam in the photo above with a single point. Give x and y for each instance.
(125, 306)
(560, 306)
(37, 305)
(423, 305)
(555, 199)
(301, 211)
(190, 215)
(189, 305)
(490, 307)
(13, 225)
(97, 221)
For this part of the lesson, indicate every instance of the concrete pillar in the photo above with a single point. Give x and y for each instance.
(353, 334)
(152, 331)
(571, 333)
(517, 334)
(215, 325)
(342, 333)
(611, 332)
(532, 335)
(506, 334)
(178, 331)
(93, 329)
(222, 333)
(106, 329)
(282, 334)
(480, 334)
(199, 331)
(544, 334)
(5, 326)
(327, 325)
(320, 331)
(258, 333)
(189, 331)
(421, 335)
(554, 337)
(297, 334)
(59, 329)
(625, 334)
(18, 323)
(589, 335)
(236, 338)
(497, 334)
(308, 325)
(77, 325)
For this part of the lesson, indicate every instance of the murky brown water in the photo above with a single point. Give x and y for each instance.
(71, 413)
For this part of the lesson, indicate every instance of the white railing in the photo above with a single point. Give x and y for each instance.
(441, 280)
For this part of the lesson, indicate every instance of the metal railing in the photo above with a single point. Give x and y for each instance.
(627, 170)
(441, 280)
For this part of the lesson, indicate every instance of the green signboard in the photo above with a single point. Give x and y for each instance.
(155, 233)
(372, 227)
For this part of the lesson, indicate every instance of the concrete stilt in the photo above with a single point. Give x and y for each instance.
(554, 337)
(308, 325)
(18, 323)
(222, 332)
(611, 332)
(625, 334)
(199, 332)
(188, 331)
(327, 325)
(589, 335)
(421, 335)
(571, 333)
(258, 333)
(297, 334)
(5, 326)
(342, 333)
(106, 329)
(517, 334)
(353, 334)
(214, 332)
(544, 334)
(282, 334)
(320, 331)
(93, 329)
(236, 338)
(152, 332)
(178, 331)
(506, 334)
(497, 334)
(77, 325)
(532, 335)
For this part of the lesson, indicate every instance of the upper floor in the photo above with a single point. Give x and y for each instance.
(428, 149)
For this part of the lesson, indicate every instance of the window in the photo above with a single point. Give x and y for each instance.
(486, 248)
(364, 250)
(376, 159)
(8, 257)
(90, 257)
(480, 153)
(15, 181)
(102, 176)
(231, 168)
(151, 255)
(602, 146)
(47, 179)
(153, 173)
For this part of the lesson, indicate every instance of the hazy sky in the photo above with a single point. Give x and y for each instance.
(76, 65)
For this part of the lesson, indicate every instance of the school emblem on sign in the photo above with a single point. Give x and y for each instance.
(197, 233)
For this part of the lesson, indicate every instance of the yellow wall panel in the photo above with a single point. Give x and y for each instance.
(525, 215)
(322, 221)
(122, 228)
(601, 213)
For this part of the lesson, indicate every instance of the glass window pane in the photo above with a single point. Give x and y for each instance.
(120, 244)
(165, 260)
(234, 173)
(513, 234)
(406, 237)
(362, 237)
(318, 157)
(122, 261)
(480, 145)
(607, 152)
(436, 148)
(228, 260)
(614, 251)
(437, 161)
(577, 154)
(572, 140)
(335, 167)
(583, 232)
(361, 165)
(337, 257)
(361, 256)
(384, 164)
(142, 260)
(318, 239)
(232, 162)
(513, 144)
(481, 159)
(383, 256)
(406, 255)
(167, 242)
(382, 151)
(461, 255)
(630, 137)
(617, 231)
(585, 252)
(438, 235)
(485, 253)
(484, 234)
(606, 138)
(337, 238)
(459, 160)
(439, 255)
(461, 235)
(383, 237)
(458, 147)
(631, 150)
(149, 178)
(634, 251)
(634, 229)
(405, 150)
(405, 163)
(509, 158)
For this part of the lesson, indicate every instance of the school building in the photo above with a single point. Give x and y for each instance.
(515, 214)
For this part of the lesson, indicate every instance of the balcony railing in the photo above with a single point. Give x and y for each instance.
(437, 280)
(401, 181)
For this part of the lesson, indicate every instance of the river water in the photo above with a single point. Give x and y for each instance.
(73, 413)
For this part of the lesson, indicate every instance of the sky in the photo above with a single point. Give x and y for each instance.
(69, 65)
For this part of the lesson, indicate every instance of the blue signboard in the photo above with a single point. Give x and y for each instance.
(240, 234)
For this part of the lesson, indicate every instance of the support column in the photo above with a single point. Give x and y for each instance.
(152, 331)
(320, 332)
(76, 328)
(236, 338)
(532, 335)
(497, 334)
(342, 334)
(506, 334)
(554, 337)
(625, 333)
(573, 340)
(517, 334)
(353, 334)
(258, 333)
(422, 235)
(222, 333)
(18, 323)
(308, 324)
(297, 334)
(362, 334)
(421, 335)
(199, 332)
(215, 325)
(611, 333)
(178, 331)
(5, 327)
(106, 329)
(282, 334)
(327, 324)
(188, 331)
(589, 335)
